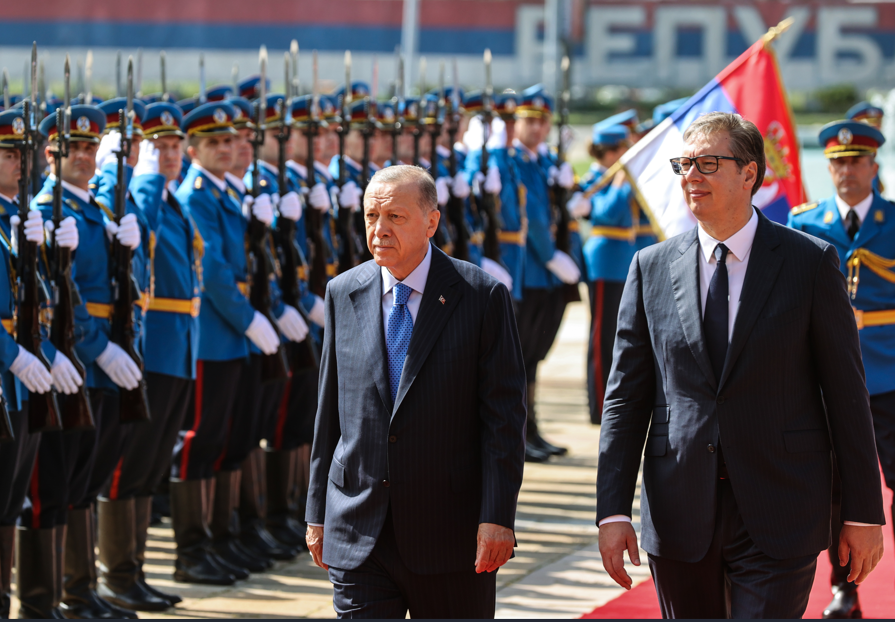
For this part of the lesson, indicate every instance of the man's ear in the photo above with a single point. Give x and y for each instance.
(751, 175)
(434, 218)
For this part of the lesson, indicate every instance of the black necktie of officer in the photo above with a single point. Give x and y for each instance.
(717, 313)
(852, 224)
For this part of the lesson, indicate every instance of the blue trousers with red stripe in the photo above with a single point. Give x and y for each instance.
(605, 298)
(203, 438)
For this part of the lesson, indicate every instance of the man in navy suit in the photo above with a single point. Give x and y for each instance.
(419, 440)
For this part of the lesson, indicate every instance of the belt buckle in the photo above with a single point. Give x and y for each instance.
(859, 317)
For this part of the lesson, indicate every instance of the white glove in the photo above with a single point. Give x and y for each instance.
(317, 313)
(67, 236)
(492, 180)
(441, 188)
(33, 374)
(318, 198)
(578, 205)
(459, 186)
(108, 148)
(260, 208)
(119, 366)
(263, 334)
(498, 272)
(33, 226)
(292, 324)
(148, 162)
(566, 176)
(66, 378)
(290, 206)
(128, 232)
(349, 196)
(498, 138)
(564, 268)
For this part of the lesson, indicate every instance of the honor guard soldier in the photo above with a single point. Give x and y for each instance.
(861, 225)
(17, 455)
(350, 194)
(87, 457)
(619, 228)
(865, 112)
(219, 93)
(248, 88)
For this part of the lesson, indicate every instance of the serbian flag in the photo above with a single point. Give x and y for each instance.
(749, 86)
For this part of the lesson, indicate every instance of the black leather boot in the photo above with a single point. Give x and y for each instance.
(143, 518)
(253, 534)
(280, 521)
(118, 571)
(194, 563)
(79, 597)
(224, 528)
(533, 437)
(36, 563)
(845, 604)
(7, 559)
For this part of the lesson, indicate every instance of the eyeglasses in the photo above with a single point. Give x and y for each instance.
(706, 164)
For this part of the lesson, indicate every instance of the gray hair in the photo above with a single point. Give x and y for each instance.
(405, 174)
(746, 142)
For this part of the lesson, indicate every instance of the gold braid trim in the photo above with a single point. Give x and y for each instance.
(878, 265)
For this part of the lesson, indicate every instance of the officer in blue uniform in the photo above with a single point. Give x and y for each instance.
(619, 228)
(90, 456)
(546, 268)
(21, 373)
(861, 225)
(350, 193)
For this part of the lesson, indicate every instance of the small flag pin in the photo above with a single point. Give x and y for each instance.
(441, 299)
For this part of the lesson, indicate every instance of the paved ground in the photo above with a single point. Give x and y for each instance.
(556, 572)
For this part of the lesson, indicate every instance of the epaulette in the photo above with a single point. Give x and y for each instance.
(44, 199)
(804, 207)
(198, 184)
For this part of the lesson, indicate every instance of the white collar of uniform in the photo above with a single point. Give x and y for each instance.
(220, 183)
(443, 151)
(740, 243)
(416, 280)
(424, 162)
(236, 181)
(6, 198)
(322, 169)
(461, 147)
(862, 208)
(544, 149)
(270, 167)
(301, 169)
(374, 167)
(84, 195)
(532, 155)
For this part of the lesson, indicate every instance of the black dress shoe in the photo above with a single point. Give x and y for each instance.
(845, 605)
(133, 598)
(171, 598)
(197, 566)
(533, 454)
(539, 442)
(87, 605)
(255, 556)
(227, 551)
(287, 530)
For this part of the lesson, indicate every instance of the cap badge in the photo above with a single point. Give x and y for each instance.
(219, 115)
(83, 124)
(167, 118)
(537, 102)
(18, 125)
(845, 136)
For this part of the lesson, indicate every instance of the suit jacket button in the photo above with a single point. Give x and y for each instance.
(385, 483)
(393, 439)
(711, 451)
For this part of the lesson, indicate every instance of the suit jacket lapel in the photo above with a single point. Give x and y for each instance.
(685, 284)
(439, 301)
(764, 264)
(367, 301)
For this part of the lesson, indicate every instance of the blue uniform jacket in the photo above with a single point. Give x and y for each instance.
(873, 292)
(14, 390)
(225, 312)
(540, 241)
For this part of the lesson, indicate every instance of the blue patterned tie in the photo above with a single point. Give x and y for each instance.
(397, 337)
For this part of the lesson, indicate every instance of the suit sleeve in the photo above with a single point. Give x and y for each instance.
(327, 428)
(630, 393)
(502, 391)
(837, 353)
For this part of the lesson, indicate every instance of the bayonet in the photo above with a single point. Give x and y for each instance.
(422, 85)
(455, 92)
(202, 95)
(79, 86)
(349, 91)
(374, 88)
(315, 93)
(66, 93)
(262, 86)
(41, 86)
(127, 127)
(5, 88)
(234, 78)
(88, 77)
(161, 59)
(293, 53)
(118, 74)
(286, 82)
(138, 86)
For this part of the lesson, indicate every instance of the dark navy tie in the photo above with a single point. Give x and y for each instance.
(717, 313)
(852, 224)
(397, 338)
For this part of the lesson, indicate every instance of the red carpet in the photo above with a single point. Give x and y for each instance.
(877, 593)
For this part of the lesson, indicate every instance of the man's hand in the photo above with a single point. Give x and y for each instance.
(495, 545)
(614, 539)
(314, 538)
(866, 547)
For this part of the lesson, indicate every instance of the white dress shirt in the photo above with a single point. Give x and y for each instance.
(416, 281)
(84, 195)
(861, 208)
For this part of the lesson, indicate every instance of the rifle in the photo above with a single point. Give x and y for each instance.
(350, 241)
(397, 100)
(39, 110)
(455, 207)
(367, 132)
(273, 366)
(417, 128)
(316, 242)
(444, 233)
(133, 403)
(5, 89)
(304, 355)
(161, 59)
(558, 194)
(486, 201)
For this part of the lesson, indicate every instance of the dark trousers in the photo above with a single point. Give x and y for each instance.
(16, 464)
(293, 424)
(383, 587)
(883, 409)
(538, 319)
(111, 442)
(605, 298)
(734, 579)
(200, 443)
(147, 458)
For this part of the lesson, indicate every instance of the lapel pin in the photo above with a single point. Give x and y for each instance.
(441, 299)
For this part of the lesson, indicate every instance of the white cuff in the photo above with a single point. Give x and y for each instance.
(314, 525)
(618, 518)
(854, 524)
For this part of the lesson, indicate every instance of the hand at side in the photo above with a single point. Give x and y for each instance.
(615, 539)
(865, 544)
(495, 545)
(314, 538)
